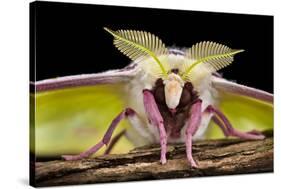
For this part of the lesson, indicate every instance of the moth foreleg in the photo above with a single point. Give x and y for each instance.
(156, 119)
(230, 131)
(193, 124)
(106, 138)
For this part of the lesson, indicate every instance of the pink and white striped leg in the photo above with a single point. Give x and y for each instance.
(193, 124)
(106, 138)
(221, 120)
(156, 119)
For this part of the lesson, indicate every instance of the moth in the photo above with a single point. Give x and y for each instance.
(165, 95)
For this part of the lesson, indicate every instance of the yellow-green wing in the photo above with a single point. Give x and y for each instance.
(72, 113)
(246, 108)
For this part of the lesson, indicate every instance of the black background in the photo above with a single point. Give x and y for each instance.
(68, 39)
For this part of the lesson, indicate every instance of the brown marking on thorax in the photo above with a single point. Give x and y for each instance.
(174, 122)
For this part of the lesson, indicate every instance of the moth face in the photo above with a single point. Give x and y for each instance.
(173, 87)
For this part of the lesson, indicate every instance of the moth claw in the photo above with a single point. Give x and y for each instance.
(260, 136)
(257, 134)
(193, 163)
(66, 157)
(163, 161)
(70, 157)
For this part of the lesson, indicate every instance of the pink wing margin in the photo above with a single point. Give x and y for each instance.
(234, 88)
(108, 77)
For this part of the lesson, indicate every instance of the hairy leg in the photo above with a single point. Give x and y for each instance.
(106, 138)
(156, 119)
(229, 128)
(193, 124)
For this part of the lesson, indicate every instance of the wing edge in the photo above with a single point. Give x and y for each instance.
(108, 77)
(231, 87)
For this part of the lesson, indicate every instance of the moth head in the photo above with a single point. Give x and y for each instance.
(173, 87)
(201, 59)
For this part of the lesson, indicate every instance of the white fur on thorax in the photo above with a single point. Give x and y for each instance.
(145, 79)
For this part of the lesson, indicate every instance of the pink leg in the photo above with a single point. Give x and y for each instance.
(193, 124)
(114, 141)
(221, 125)
(156, 119)
(233, 132)
(106, 137)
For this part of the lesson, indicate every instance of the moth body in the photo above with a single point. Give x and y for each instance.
(184, 95)
(167, 96)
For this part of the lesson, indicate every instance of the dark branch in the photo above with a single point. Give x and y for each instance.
(214, 157)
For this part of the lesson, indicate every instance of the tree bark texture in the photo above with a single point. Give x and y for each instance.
(214, 157)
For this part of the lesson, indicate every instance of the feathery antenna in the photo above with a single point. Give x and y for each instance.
(215, 55)
(139, 44)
